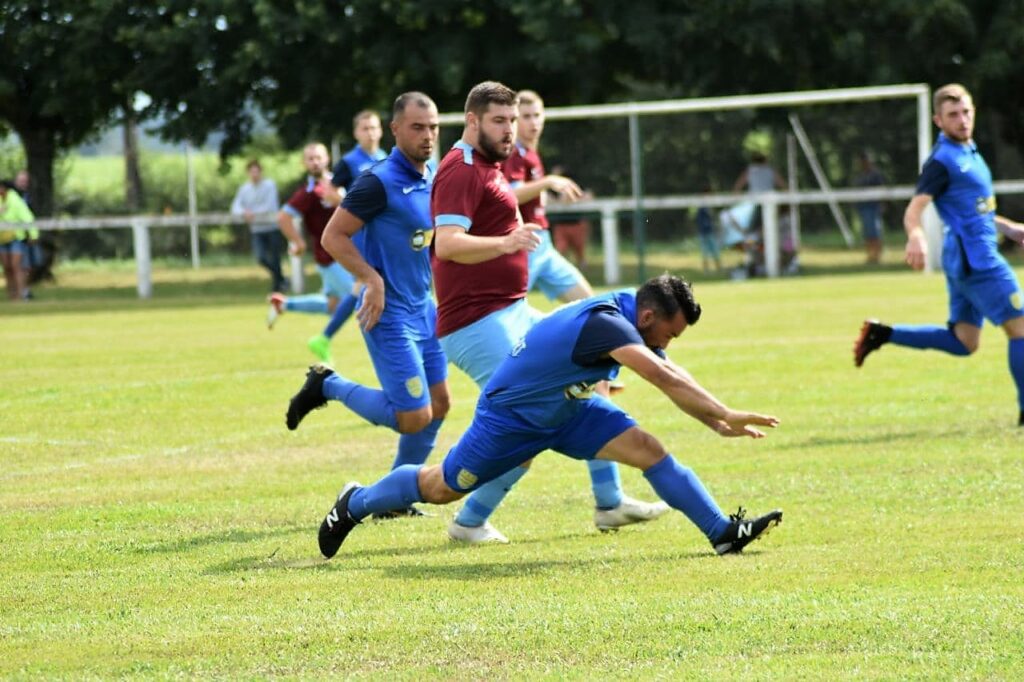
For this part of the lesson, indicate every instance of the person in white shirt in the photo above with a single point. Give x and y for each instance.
(256, 201)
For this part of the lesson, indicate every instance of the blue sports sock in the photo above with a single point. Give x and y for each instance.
(414, 448)
(1017, 368)
(371, 404)
(340, 316)
(485, 499)
(310, 303)
(928, 336)
(398, 490)
(681, 488)
(606, 483)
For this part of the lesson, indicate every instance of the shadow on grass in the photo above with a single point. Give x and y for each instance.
(818, 442)
(233, 536)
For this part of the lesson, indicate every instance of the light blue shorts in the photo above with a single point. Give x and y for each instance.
(17, 246)
(337, 281)
(550, 271)
(479, 348)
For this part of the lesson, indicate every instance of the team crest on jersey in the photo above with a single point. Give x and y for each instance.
(466, 479)
(414, 385)
(421, 239)
(580, 391)
(985, 205)
(1017, 300)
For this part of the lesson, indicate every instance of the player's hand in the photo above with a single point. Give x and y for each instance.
(1014, 231)
(248, 215)
(523, 238)
(917, 249)
(565, 187)
(297, 247)
(743, 424)
(373, 303)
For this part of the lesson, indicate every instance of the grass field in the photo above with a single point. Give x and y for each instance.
(158, 520)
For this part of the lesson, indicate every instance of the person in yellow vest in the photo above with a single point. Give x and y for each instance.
(12, 246)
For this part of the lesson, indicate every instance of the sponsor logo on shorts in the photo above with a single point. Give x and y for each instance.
(421, 239)
(414, 385)
(465, 479)
(1017, 300)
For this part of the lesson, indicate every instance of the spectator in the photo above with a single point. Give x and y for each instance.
(758, 177)
(709, 250)
(570, 231)
(12, 248)
(256, 201)
(33, 261)
(870, 211)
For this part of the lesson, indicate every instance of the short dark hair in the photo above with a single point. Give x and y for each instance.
(487, 93)
(666, 295)
(254, 163)
(365, 113)
(407, 98)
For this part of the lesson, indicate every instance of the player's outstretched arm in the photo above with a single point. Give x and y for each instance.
(454, 243)
(690, 396)
(337, 241)
(917, 244)
(1011, 228)
(567, 188)
(286, 224)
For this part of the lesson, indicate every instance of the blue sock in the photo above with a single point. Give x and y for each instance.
(928, 336)
(340, 316)
(397, 490)
(371, 404)
(1017, 368)
(606, 483)
(310, 303)
(414, 448)
(485, 499)
(681, 488)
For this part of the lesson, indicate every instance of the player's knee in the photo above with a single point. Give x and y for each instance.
(332, 303)
(649, 450)
(439, 406)
(433, 489)
(415, 421)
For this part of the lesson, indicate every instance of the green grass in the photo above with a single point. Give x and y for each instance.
(157, 520)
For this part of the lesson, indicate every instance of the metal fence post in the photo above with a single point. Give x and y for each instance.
(143, 258)
(610, 244)
(770, 232)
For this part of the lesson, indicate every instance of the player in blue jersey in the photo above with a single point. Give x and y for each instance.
(979, 280)
(542, 397)
(389, 206)
(366, 129)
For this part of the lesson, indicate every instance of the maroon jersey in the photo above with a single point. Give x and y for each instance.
(525, 166)
(470, 191)
(306, 203)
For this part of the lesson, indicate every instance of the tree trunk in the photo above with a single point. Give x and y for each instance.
(40, 150)
(132, 176)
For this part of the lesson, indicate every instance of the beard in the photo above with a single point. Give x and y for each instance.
(492, 148)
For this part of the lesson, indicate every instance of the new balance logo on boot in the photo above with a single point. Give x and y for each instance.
(742, 532)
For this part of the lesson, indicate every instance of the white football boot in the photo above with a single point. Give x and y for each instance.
(628, 512)
(475, 534)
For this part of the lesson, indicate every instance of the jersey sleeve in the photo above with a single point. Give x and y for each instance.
(341, 175)
(934, 178)
(456, 196)
(367, 199)
(604, 331)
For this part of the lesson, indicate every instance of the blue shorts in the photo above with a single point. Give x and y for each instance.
(407, 358)
(993, 294)
(870, 221)
(499, 439)
(550, 271)
(337, 281)
(479, 348)
(17, 246)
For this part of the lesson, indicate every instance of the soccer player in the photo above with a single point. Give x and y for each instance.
(366, 129)
(556, 277)
(480, 255)
(542, 397)
(390, 207)
(979, 280)
(314, 204)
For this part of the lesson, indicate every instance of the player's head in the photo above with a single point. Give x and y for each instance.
(254, 170)
(664, 309)
(491, 113)
(316, 159)
(954, 112)
(414, 123)
(530, 125)
(366, 129)
(22, 180)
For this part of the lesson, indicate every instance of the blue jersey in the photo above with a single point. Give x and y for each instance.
(354, 164)
(551, 373)
(960, 183)
(393, 201)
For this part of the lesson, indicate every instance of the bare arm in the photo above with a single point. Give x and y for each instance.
(337, 241)
(1011, 228)
(917, 243)
(287, 226)
(741, 182)
(567, 188)
(689, 396)
(454, 243)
